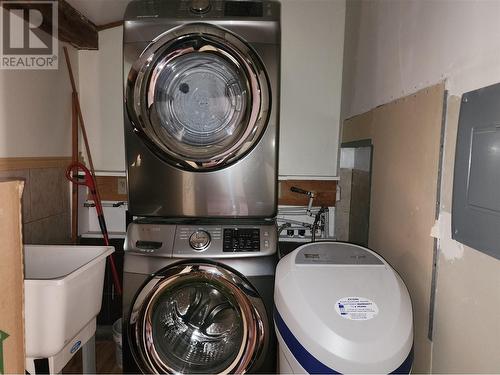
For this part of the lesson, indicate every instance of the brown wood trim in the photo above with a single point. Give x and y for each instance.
(75, 28)
(74, 159)
(10, 164)
(109, 25)
(326, 192)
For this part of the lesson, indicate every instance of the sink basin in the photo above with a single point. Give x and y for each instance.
(63, 293)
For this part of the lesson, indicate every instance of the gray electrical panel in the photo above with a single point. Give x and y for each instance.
(476, 186)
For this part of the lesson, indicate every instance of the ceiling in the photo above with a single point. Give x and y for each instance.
(101, 12)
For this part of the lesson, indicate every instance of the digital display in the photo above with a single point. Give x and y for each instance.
(237, 240)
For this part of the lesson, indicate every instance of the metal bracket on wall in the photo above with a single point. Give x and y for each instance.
(435, 253)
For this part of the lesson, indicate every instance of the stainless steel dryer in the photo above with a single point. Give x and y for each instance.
(201, 107)
(198, 298)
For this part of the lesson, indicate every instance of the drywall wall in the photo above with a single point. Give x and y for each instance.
(35, 111)
(101, 93)
(405, 135)
(396, 48)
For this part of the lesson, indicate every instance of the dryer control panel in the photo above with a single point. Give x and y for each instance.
(227, 9)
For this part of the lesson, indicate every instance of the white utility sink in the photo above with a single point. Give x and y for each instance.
(63, 293)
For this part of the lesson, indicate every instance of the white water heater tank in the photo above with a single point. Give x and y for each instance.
(341, 308)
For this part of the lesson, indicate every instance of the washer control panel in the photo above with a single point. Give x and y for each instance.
(206, 241)
(224, 240)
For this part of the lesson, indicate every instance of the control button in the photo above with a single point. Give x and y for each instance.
(200, 6)
(199, 240)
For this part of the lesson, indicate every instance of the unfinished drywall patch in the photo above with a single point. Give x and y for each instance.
(406, 143)
(450, 249)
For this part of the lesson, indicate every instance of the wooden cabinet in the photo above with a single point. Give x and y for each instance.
(311, 80)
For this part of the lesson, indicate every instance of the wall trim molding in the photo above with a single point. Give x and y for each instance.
(10, 164)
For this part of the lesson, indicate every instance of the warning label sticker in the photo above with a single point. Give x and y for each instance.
(356, 308)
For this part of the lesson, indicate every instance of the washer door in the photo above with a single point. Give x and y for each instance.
(199, 96)
(197, 318)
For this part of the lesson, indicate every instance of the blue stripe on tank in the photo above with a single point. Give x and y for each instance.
(310, 363)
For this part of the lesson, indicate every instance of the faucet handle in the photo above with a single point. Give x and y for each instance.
(297, 190)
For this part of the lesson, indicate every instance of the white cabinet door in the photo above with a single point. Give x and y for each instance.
(311, 80)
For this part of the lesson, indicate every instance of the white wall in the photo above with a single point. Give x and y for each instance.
(101, 93)
(394, 48)
(35, 111)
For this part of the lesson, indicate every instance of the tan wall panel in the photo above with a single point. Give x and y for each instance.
(406, 143)
(358, 128)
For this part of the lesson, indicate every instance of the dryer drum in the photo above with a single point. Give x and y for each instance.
(197, 318)
(199, 97)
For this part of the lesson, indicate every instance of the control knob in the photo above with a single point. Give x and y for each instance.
(199, 240)
(200, 6)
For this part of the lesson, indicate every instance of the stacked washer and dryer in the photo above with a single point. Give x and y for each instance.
(201, 80)
(201, 85)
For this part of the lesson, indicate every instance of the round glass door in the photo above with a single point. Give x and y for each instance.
(197, 318)
(199, 97)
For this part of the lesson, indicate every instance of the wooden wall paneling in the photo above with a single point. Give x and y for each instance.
(108, 189)
(325, 192)
(12, 164)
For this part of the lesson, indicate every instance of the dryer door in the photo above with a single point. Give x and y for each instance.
(199, 96)
(197, 318)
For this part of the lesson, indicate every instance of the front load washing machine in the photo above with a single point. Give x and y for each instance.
(198, 298)
(201, 80)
